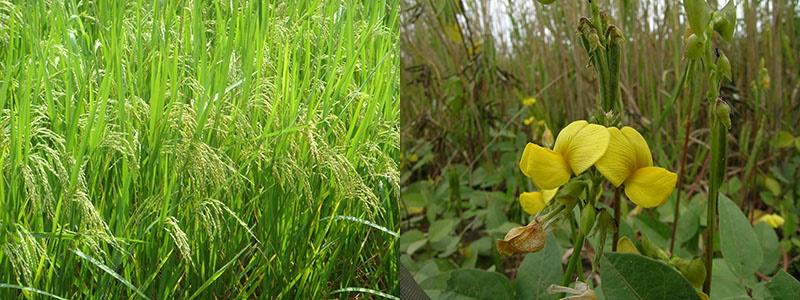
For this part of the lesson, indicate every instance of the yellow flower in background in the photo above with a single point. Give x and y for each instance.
(628, 161)
(534, 202)
(530, 101)
(453, 32)
(528, 121)
(413, 158)
(547, 137)
(773, 220)
(578, 146)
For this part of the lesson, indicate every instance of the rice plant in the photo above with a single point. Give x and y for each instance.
(198, 149)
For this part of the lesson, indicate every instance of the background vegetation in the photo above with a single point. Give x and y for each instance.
(466, 68)
(198, 149)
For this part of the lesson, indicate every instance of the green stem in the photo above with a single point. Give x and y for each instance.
(573, 260)
(617, 213)
(716, 173)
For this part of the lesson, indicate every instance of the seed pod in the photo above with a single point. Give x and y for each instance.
(698, 13)
(694, 46)
(587, 219)
(545, 2)
(724, 66)
(724, 113)
(725, 21)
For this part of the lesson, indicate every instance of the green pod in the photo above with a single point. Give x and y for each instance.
(724, 66)
(694, 46)
(588, 215)
(545, 2)
(698, 13)
(724, 21)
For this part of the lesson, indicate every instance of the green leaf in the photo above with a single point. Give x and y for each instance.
(108, 270)
(478, 284)
(738, 241)
(725, 284)
(411, 241)
(783, 139)
(769, 247)
(441, 229)
(538, 271)
(631, 276)
(784, 286)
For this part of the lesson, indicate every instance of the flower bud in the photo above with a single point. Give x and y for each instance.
(694, 46)
(625, 245)
(725, 21)
(574, 188)
(587, 219)
(724, 66)
(724, 113)
(606, 221)
(651, 250)
(698, 13)
(525, 239)
(694, 270)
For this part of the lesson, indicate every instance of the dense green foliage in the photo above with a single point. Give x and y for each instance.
(198, 149)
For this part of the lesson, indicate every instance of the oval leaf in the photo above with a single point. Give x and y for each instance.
(738, 241)
(784, 286)
(478, 284)
(631, 276)
(538, 271)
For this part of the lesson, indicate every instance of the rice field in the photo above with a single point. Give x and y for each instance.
(199, 149)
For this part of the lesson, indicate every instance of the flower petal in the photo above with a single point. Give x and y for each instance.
(549, 194)
(566, 135)
(532, 203)
(650, 186)
(643, 156)
(545, 167)
(619, 161)
(586, 147)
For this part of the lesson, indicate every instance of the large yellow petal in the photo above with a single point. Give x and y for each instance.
(532, 203)
(566, 135)
(586, 147)
(545, 167)
(619, 161)
(650, 186)
(643, 156)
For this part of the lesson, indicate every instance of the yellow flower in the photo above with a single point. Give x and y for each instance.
(533, 202)
(413, 158)
(628, 160)
(528, 121)
(578, 146)
(773, 220)
(530, 101)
